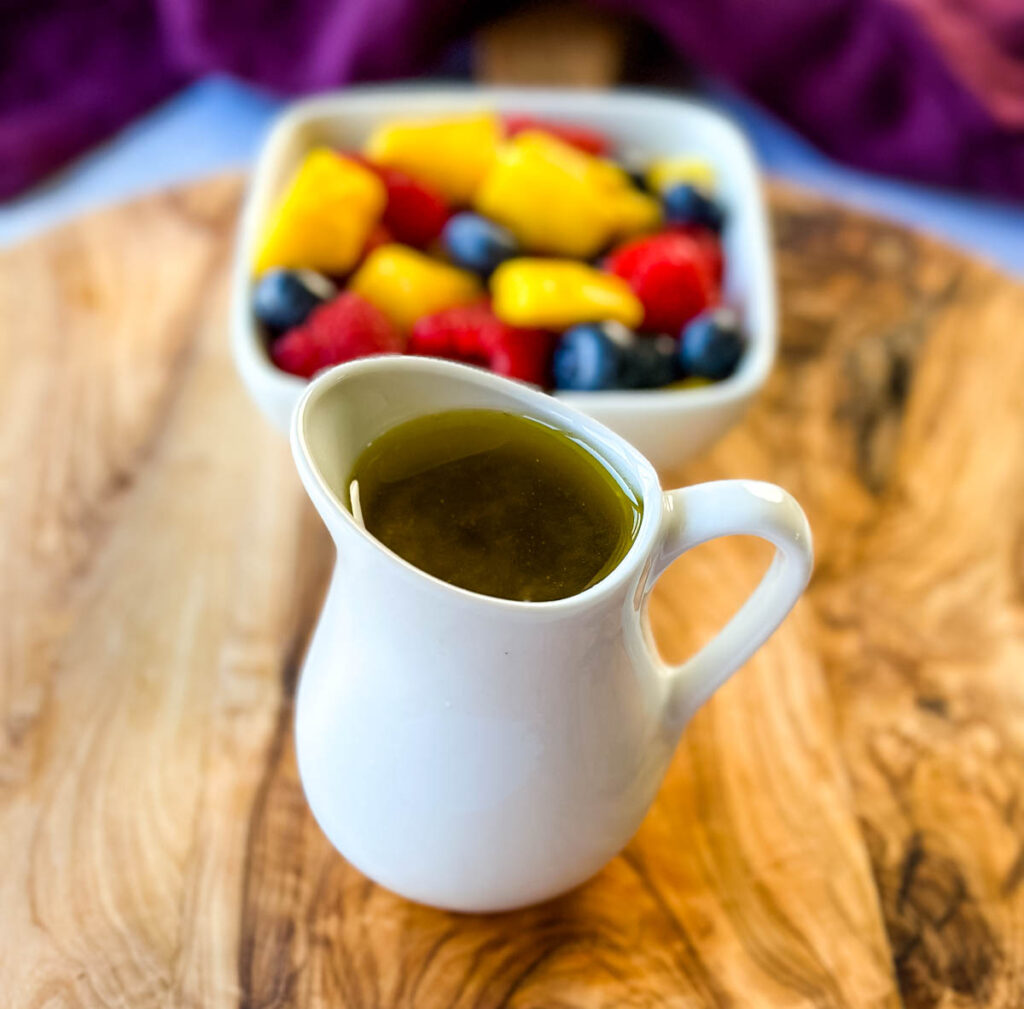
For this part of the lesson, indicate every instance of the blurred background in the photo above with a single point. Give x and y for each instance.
(911, 108)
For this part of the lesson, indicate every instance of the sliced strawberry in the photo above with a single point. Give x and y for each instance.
(415, 212)
(378, 237)
(579, 137)
(343, 329)
(524, 354)
(672, 276)
(473, 334)
(710, 245)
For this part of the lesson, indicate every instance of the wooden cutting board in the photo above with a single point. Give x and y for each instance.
(842, 825)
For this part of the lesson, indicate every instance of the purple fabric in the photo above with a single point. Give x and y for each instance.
(859, 77)
(873, 82)
(71, 74)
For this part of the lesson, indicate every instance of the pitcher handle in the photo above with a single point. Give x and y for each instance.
(694, 515)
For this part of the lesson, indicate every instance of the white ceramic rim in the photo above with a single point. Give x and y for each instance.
(538, 404)
(249, 349)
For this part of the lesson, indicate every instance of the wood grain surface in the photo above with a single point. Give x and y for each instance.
(842, 824)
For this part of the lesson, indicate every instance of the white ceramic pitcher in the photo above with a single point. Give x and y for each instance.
(478, 753)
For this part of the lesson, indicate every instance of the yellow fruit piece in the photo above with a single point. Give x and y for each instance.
(557, 293)
(607, 173)
(600, 174)
(323, 219)
(635, 213)
(559, 200)
(545, 214)
(405, 284)
(549, 195)
(665, 172)
(452, 154)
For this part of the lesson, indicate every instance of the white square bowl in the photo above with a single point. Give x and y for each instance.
(667, 425)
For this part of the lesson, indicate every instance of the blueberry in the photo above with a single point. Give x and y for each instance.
(284, 298)
(590, 357)
(477, 244)
(686, 204)
(649, 363)
(711, 345)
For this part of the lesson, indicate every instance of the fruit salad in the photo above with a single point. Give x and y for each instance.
(528, 247)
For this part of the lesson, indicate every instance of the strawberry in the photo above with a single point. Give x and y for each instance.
(671, 274)
(378, 237)
(710, 246)
(473, 334)
(415, 212)
(589, 141)
(343, 329)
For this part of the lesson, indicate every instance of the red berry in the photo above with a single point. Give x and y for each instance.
(345, 328)
(710, 245)
(670, 274)
(580, 137)
(415, 212)
(524, 354)
(378, 237)
(464, 333)
(473, 334)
